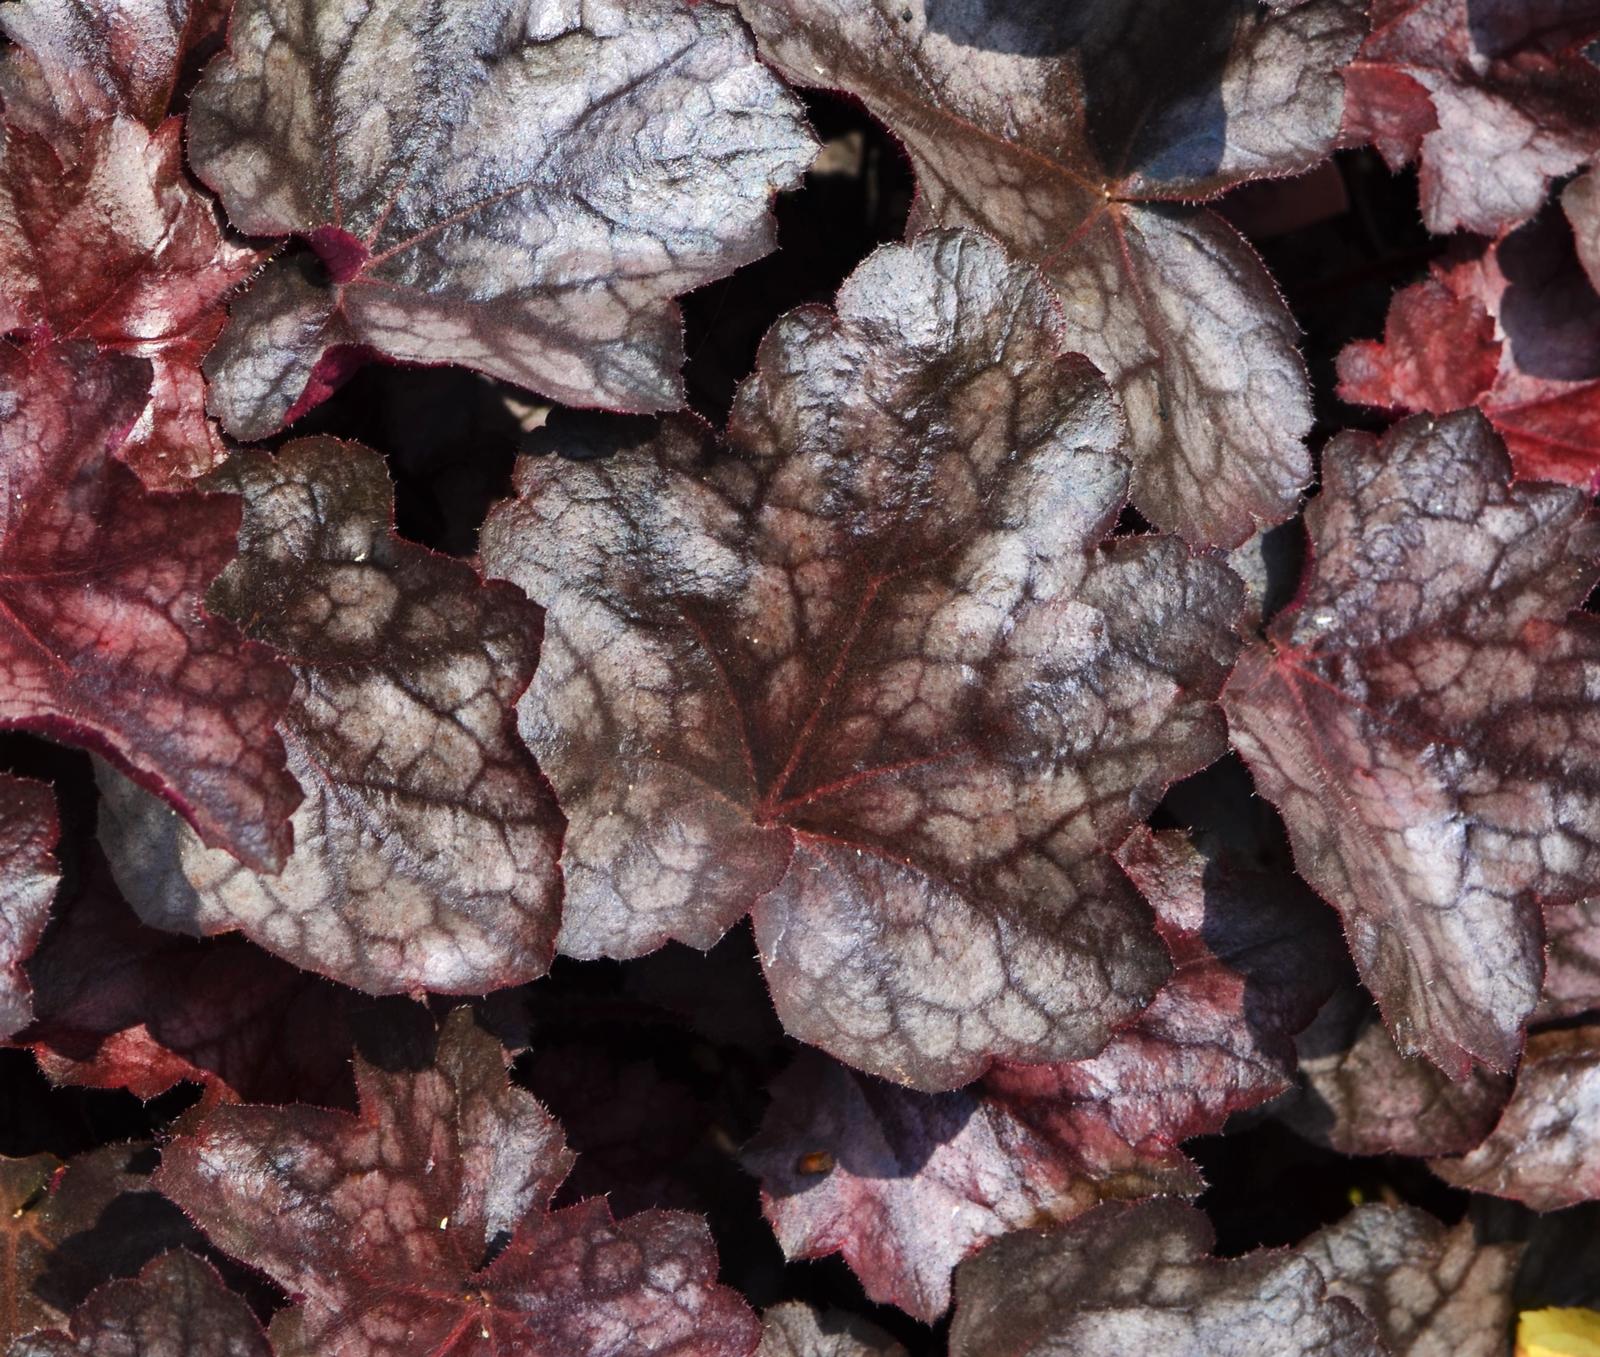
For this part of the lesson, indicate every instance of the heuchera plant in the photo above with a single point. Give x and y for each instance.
(799, 678)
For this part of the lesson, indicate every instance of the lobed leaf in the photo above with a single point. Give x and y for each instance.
(794, 1329)
(906, 1185)
(1125, 1279)
(1512, 327)
(426, 843)
(1076, 135)
(1433, 1292)
(1421, 717)
(176, 1307)
(104, 638)
(1494, 97)
(29, 875)
(520, 190)
(1543, 1151)
(421, 1225)
(873, 676)
(67, 1228)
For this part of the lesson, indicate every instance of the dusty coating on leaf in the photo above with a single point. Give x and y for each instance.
(1512, 327)
(381, 1225)
(1424, 718)
(29, 875)
(1072, 133)
(1572, 961)
(1494, 97)
(913, 1183)
(1545, 1149)
(425, 849)
(1432, 1292)
(795, 1329)
(1359, 1095)
(520, 189)
(105, 640)
(1138, 1279)
(110, 243)
(873, 675)
(176, 1307)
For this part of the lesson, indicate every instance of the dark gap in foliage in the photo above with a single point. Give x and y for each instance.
(855, 198)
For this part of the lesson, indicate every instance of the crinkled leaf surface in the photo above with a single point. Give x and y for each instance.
(1422, 717)
(104, 638)
(383, 1226)
(426, 845)
(122, 1005)
(112, 244)
(794, 1329)
(906, 1185)
(65, 1229)
(1580, 200)
(29, 876)
(1138, 1279)
(176, 1307)
(1360, 1095)
(1433, 1292)
(1512, 327)
(542, 182)
(77, 62)
(1572, 961)
(1545, 1150)
(1073, 133)
(873, 674)
(1494, 97)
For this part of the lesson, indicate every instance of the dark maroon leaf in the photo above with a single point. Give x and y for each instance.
(28, 879)
(1545, 1150)
(1494, 97)
(1433, 1292)
(1572, 961)
(176, 1307)
(1422, 717)
(1512, 327)
(874, 675)
(541, 185)
(421, 1225)
(426, 845)
(1361, 1096)
(1071, 133)
(796, 1330)
(111, 244)
(104, 639)
(121, 1005)
(77, 62)
(905, 1185)
(66, 1229)
(1126, 1279)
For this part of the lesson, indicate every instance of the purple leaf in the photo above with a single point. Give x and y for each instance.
(874, 675)
(1545, 1149)
(1572, 961)
(1422, 718)
(104, 639)
(1138, 1279)
(1074, 134)
(111, 244)
(1494, 97)
(539, 187)
(421, 1225)
(425, 849)
(1433, 1292)
(1361, 1096)
(906, 1185)
(796, 1330)
(176, 1307)
(29, 876)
